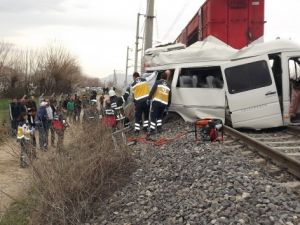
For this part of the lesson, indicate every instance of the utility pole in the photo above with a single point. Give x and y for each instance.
(149, 24)
(126, 73)
(115, 79)
(137, 37)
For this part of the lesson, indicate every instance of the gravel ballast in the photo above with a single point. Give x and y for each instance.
(183, 182)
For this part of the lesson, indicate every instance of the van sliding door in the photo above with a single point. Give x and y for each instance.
(251, 93)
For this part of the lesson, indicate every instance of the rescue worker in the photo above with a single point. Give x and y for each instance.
(116, 101)
(24, 133)
(140, 91)
(161, 98)
(116, 104)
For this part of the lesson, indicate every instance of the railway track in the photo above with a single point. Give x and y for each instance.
(281, 146)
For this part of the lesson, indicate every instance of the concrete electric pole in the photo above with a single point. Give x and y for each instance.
(149, 24)
(115, 79)
(137, 37)
(126, 73)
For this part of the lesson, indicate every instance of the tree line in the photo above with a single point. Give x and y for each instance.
(51, 69)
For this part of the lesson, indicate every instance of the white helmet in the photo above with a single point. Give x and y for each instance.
(111, 93)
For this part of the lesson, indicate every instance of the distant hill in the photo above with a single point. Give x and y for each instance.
(120, 79)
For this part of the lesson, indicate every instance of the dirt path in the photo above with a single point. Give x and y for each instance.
(14, 181)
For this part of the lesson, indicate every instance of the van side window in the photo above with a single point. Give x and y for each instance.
(294, 68)
(204, 77)
(248, 77)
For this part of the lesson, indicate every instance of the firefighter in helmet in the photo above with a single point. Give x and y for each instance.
(116, 106)
(161, 98)
(140, 90)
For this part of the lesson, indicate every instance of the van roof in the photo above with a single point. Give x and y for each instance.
(211, 49)
(275, 46)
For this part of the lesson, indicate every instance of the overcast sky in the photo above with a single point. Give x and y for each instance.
(99, 31)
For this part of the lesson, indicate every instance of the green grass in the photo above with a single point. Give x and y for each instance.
(4, 109)
(19, 212)
(4, 103)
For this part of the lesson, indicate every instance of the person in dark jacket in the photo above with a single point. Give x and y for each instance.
(115, 106)
(93, 95)
(59, 124)
(77, 109)
(42, 125)
(65, 105)
(140, 90)
(160, 96)
(14, 114)
(31, 112)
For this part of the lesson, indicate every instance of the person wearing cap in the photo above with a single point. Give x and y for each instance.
(140, 90)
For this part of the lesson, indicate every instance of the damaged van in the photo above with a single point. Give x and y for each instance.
(247, 88)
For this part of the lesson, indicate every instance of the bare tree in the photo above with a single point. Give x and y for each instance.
(57, 70)
(5, 49)
(24, 65)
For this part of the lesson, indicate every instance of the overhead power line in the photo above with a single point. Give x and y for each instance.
(175, 21)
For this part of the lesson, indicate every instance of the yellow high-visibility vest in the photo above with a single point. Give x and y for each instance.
(140, 89)
(20, 133)
(162, 94)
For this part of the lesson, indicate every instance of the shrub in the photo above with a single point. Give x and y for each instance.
(70, 185)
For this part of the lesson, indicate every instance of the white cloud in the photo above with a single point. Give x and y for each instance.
(17, 6)
(98, 31)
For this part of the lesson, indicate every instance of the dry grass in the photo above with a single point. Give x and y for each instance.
(70, 185)
(129, 111)
(4, 132)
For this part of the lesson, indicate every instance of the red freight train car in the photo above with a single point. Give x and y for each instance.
(235, 22)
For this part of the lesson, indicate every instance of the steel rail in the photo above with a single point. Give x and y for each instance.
(280, 159)
(295, 130)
